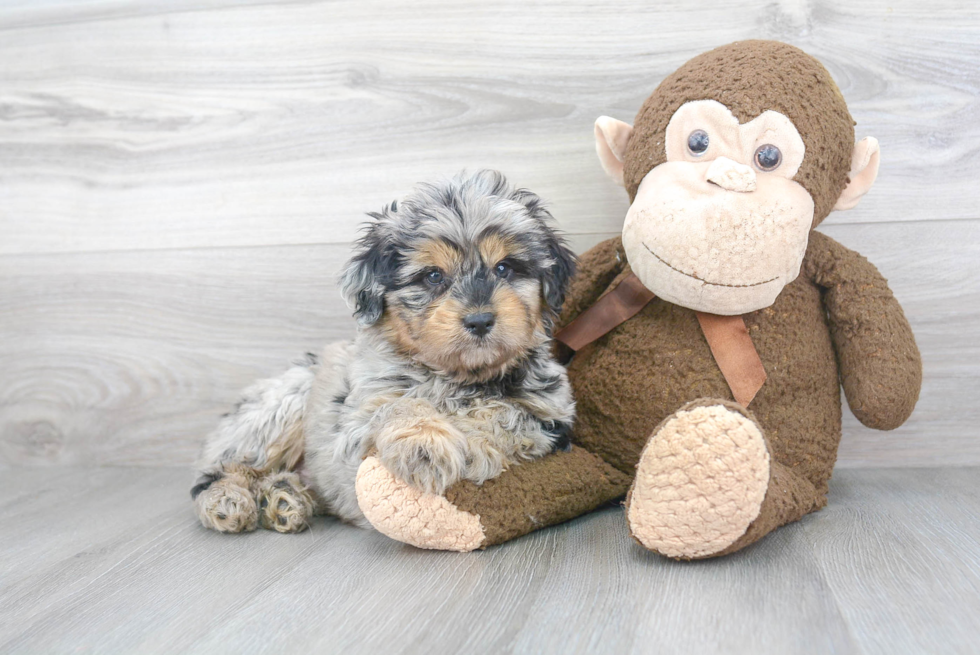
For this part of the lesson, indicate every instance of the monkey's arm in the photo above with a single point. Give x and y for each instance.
(597, 268)
(880, 366)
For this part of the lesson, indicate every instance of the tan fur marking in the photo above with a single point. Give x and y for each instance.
(439, 254)
(398, 332)
(440, 335)
(495, 247)
(443, 326)
(286, 451)
(516, 318)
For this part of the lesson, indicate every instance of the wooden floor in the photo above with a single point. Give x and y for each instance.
(112, 560)
(180, 181)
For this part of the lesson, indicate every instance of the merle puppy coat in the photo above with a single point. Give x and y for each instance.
(450, 377)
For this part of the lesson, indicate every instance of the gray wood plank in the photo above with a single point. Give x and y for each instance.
(73, 524)
(900, 555)
(197, 124)
(890, 566)
(933, 270)
(130, 357)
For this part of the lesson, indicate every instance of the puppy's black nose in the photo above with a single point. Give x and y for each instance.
(479, 324)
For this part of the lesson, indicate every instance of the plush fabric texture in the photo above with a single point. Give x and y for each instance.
(406, 514)
(555, 489)
(700, 482)
(881, 369)
(646, 369)
(750, 77)
(788, 498)
(837, 324)
(700, 246)
(630, 380)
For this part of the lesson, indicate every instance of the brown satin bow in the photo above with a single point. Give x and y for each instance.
(727, 336)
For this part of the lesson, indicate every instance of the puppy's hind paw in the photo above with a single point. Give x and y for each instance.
(226, 507)
(285, 504)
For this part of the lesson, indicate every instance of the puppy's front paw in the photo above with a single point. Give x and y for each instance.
(424, 450)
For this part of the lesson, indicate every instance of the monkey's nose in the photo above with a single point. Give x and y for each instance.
(731, 176)
(478, 324)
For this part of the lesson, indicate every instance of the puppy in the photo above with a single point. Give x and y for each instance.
(449, 378)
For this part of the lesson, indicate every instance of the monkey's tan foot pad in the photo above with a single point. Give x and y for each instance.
(227, 507)
(700, 482)
(414, 517)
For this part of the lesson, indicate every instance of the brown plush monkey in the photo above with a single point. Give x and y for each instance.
(731, 163)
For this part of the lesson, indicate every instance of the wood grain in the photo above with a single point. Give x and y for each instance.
(179, 182)
(145, 125)
(112, 560)
(130, 357)
(885, 538)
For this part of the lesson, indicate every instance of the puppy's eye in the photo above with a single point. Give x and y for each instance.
(503, 270)
(768, 157)
(434, 277)
(697, 143)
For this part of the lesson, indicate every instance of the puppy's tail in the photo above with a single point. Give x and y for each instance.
(264, 431)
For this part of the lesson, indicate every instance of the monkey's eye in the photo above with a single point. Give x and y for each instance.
(434, 277)
(697, 143)
(768, 157)
(503, 270)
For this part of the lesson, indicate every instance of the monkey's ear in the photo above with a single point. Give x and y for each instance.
(611, 137)
(864, 170)
(366, 276)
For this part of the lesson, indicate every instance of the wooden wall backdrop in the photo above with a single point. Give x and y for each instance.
(180, 181)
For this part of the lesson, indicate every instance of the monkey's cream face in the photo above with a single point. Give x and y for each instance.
(721, 227)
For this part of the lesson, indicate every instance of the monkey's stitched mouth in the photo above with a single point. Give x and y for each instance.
(695, 277)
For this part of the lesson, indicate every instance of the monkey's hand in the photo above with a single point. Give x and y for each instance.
(880, 366)
(418, 445)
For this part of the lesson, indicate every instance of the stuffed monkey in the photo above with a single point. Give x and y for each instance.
(712, 338)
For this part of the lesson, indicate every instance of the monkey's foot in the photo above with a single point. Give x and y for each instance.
(414, 517)
(700, 482)
(226, 506)
(285, 504)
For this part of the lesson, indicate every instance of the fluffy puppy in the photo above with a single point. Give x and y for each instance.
(450, 376)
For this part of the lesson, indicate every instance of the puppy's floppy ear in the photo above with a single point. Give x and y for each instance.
(370, 271)
(556, 278)
(554, 283)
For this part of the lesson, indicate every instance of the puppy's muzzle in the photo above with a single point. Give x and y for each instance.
(479, 324)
